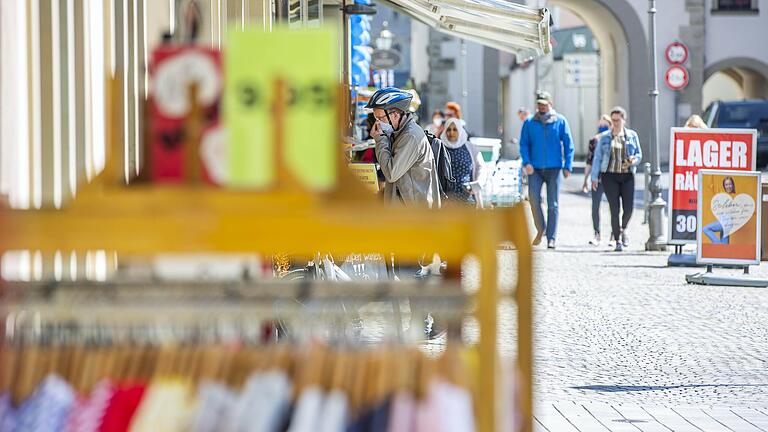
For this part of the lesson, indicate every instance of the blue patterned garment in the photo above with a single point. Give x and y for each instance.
(7, 414)
(462, 167)
(48, 408)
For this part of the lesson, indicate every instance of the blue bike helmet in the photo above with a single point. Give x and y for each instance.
(389, 98)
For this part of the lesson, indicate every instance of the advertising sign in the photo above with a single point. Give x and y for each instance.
(729, 217)
(253, 62)
(691, 150)
(174, 68)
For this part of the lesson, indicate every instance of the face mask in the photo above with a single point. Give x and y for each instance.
(437, 121)
(602, 128)
(386, 128)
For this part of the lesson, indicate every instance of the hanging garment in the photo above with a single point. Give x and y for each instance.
(446, 408)
(7, 414)
(307, 412)
(214, 403)
(89, 411)
(380, 416)
(374, 420)
(334, 417)
(263, 405)
(122, 408)
(402, 417)
(48, 407)
(166, 407)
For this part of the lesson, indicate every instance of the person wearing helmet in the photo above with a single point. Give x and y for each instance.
(403, 150)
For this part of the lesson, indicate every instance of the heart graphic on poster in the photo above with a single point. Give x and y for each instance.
(732, 212)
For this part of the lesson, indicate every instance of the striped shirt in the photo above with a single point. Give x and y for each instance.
(618, 153)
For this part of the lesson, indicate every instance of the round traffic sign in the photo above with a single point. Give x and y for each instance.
(676, 77)
(676, 53)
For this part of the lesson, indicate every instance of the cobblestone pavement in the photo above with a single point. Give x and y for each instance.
(623, 328)
(622, 342)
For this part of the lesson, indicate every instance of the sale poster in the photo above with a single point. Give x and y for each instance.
(254, 61)
(695, 149)
(174, 69)
(729, 217)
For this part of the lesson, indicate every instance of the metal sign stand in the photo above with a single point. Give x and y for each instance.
(680, 259)
(710, 278)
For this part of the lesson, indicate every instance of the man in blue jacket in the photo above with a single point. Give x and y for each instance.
(546, 147)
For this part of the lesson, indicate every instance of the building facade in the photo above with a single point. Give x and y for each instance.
(724, 61)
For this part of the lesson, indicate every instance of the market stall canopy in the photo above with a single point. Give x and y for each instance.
(499, 24)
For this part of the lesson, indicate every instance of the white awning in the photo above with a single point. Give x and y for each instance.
(499, 24)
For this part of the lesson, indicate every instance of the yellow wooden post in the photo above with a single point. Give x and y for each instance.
(193, 131)
(487, 305)
(517, 230)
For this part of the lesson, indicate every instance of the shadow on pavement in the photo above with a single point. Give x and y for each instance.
(621, 388)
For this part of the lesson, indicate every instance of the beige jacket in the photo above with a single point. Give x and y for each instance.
(408, 166)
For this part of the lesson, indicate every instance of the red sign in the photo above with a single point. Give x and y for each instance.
(676, 53)
(694, 149)
(676, 77)
(173, 70)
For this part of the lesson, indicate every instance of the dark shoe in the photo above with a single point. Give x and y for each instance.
(537, 239)
(624, 239)
(619, 247)
(551, 244)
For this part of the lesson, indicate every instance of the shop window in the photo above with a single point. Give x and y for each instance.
(738, 6)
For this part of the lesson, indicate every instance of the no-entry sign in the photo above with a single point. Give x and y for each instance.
(676, 77)
(694, 149)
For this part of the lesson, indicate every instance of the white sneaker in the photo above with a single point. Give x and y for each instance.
(595, 241)
(612, 243)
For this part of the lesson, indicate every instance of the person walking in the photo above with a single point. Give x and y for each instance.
(453, 110)
(403, 150)
(695, 122)
(523, 114)
(597, 195)
(466, 162)
(546, 147)
(436, 127)
(617, 155)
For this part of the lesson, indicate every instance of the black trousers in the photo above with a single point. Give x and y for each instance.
(620, 190)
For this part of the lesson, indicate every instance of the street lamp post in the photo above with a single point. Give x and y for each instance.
(656, 240)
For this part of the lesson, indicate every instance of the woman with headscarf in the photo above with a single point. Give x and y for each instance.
(466, 161)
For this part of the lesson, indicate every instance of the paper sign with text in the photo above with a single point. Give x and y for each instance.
(366, 173)
(729, 217)
(695, 149)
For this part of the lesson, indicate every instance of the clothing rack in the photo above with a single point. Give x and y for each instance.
(142, 220)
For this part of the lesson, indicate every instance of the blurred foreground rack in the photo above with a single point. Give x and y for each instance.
(61, 342)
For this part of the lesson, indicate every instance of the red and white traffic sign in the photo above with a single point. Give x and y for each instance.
(676, 53)
(676, 77)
